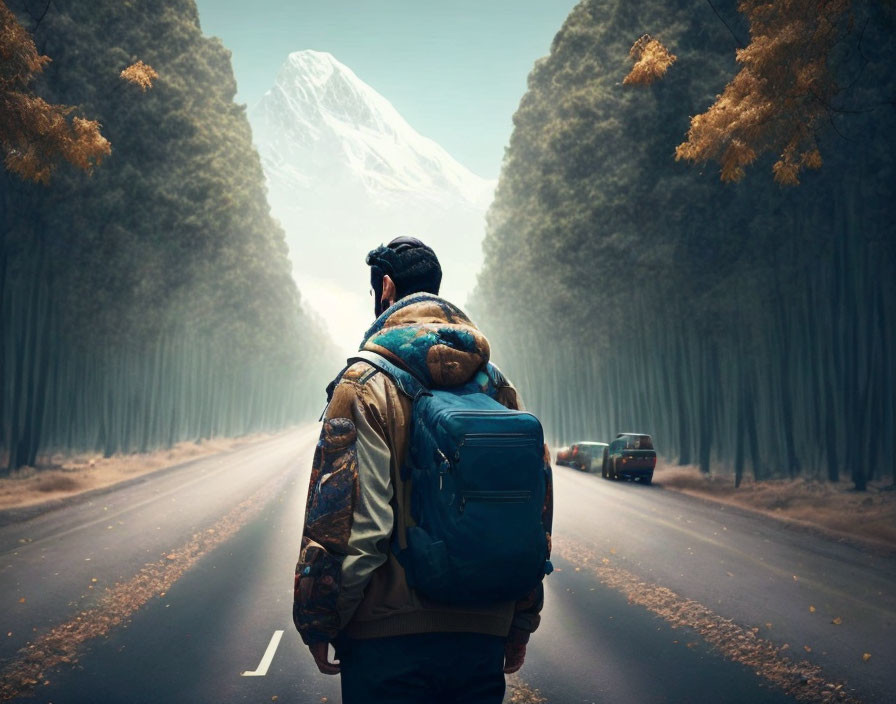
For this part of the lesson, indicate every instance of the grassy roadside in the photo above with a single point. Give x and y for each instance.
(834, 508)
(60, 476)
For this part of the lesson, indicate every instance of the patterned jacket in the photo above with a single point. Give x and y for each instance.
(347, 579)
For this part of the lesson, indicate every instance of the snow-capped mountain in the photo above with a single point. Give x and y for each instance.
(345, 173)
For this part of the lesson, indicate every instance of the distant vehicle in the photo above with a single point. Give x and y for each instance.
(631, 456)
(563, 456)
(587, 456)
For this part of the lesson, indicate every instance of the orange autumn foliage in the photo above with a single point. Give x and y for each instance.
(140, 74)
(34, 134)
(651, 59)
(781, 95)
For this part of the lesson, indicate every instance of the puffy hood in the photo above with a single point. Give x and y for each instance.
(430, 337)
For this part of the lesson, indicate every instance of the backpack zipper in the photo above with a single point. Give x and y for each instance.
(497, 435)
(497, 439)
(494, 439)
(503, 497)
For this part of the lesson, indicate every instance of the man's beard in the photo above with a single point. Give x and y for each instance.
(376, 285)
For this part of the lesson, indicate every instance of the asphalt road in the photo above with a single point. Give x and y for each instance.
(174, 589)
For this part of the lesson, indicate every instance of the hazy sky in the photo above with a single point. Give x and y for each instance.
(454, 70)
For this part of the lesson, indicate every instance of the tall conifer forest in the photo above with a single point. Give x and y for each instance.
(747, 326)
(150, 301)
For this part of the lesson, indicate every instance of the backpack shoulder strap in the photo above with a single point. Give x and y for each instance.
(496, 376)
(406, 382)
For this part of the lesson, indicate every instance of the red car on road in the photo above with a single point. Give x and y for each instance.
(563, 456)
(584, 456)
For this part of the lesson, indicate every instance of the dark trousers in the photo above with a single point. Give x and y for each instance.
(425, 668)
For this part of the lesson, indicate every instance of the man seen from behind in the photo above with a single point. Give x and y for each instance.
(425, 540)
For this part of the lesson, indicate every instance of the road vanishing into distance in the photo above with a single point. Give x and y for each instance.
(178, 588)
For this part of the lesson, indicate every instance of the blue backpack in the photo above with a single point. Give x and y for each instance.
(478, 482)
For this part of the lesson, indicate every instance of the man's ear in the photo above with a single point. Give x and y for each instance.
(388, 297)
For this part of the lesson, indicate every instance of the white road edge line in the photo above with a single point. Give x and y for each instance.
(267, 657)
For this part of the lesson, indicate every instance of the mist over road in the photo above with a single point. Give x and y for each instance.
(655, 599)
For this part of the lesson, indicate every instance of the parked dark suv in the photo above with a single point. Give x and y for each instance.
(631, 455)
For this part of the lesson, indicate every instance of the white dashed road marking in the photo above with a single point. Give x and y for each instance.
(265, 663)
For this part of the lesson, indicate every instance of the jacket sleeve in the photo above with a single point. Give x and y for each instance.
(527, 615)
(348, 516)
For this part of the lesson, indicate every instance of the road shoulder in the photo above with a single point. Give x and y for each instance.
(834, 511)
